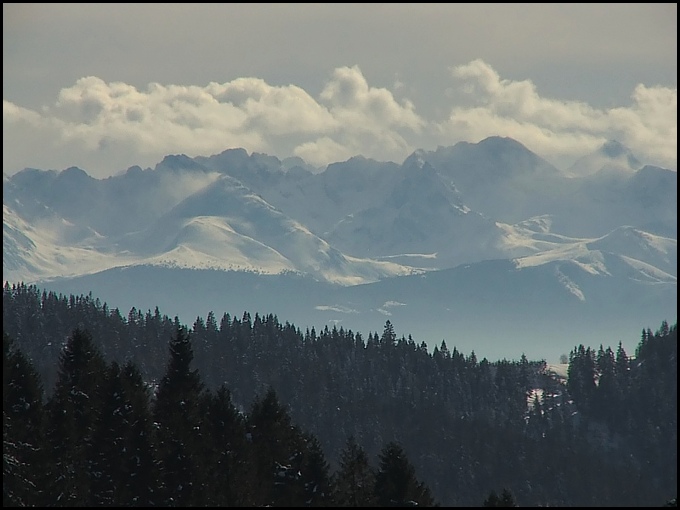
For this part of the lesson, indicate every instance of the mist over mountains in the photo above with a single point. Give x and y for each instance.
(470, 238)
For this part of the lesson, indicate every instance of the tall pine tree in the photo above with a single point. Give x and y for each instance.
(395, 481)
(355, 480)
(22, 429)
(72, 412)
(178, 426)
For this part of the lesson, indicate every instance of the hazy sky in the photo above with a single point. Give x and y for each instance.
(107, 86)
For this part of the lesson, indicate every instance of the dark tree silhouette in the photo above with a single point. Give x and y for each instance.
(72, 413)
(506, 499)
(178, 426)
(395, 481)
(23, 436)
(355, 480)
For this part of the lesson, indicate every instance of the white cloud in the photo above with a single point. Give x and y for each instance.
(560, 130)
(106, 127)
(369, 121)
(275, 110)
(650, 126)
(335, 308)
(349, 96)
(322, 151)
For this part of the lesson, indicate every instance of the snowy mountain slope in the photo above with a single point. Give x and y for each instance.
(209, 242)
(30, 253)
(599, 203)
(421, 214)
(534, 244)
(498, 177)
(503, 180)
(184, 227)
(318, 200)
(531, 236)
(237, 229)
(112, 206)
(658, 251)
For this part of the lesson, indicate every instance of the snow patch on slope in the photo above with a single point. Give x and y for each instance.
(651, 273)
(577, 252)
(30, 254)
(569, 284)
(532, 236)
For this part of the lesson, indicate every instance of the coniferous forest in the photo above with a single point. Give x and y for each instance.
(106, 409)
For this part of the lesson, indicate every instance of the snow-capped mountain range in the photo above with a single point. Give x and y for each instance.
(484, 230)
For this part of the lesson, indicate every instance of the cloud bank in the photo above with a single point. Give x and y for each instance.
(107, 127)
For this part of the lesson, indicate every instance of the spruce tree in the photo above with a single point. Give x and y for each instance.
(317, 487)
(395, 481)
(23, 429)
(228, 469)
(277, 453)
(355, 480)
(141, 465)
(178, 426)
(110, 445)
(72, 411)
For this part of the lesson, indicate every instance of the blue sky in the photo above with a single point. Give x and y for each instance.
(107, 86)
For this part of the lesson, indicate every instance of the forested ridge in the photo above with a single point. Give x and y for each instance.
(103, 408)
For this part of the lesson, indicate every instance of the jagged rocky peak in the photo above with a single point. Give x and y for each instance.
(613, 149)
(179, 162)
(134, 170)
(616, 150)
(73, 173)
(417, 159)
(502, 143)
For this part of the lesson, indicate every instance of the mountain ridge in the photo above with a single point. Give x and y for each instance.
(360, 222)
